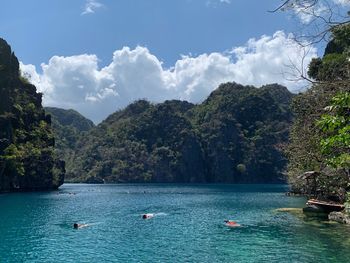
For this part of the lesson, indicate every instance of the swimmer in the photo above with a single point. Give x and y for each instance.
(76, 225)
(231, 223)
(147, 216)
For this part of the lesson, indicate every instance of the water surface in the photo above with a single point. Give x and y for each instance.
(187, 227)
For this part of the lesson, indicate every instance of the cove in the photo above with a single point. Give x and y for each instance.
(187, 225)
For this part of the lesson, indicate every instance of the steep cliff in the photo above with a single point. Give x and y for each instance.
(27, 160)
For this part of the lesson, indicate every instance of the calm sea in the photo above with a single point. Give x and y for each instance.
(187, 226)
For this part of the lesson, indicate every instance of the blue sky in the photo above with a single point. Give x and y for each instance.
(39, 29)
(97, 56)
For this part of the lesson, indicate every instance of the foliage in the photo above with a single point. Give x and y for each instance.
(335, 65)
(320, 141)
(233, 136)
(336, 128)
(27, 161)
(68, 126)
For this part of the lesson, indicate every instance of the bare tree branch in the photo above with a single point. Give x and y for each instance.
(279, 8)
(317, 18)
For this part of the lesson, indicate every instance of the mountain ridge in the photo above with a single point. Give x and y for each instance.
(234, 136)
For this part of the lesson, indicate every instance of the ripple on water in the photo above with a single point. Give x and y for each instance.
(187, 226)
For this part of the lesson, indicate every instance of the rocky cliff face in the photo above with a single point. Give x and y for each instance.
(27, 160)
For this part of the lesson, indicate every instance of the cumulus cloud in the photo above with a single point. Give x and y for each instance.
(91, 6)
(78, 82)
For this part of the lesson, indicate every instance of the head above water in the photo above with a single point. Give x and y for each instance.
(144, 216)
(76, 226)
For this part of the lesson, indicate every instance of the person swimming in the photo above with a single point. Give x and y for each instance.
(231, 223)
(147, 216)
(76, 225)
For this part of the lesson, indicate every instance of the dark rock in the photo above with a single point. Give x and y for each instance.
(315, 211)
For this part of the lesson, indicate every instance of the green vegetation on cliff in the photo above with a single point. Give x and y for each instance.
(27, 160)
(234, 136)
(68, 126)
(320, 139)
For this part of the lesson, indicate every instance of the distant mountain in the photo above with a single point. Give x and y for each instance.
(234, 136)
(70, 118)
(68, 126)
(242, 129)
(27, 160)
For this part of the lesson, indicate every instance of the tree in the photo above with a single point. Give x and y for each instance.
(319, 140)
(317, 21)
(335, 125)
(318, 17)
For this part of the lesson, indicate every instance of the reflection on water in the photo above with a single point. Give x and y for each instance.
(187, 225)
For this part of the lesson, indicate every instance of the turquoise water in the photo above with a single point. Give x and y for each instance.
(187, 226)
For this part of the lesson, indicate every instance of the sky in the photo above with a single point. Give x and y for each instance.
(97, 56)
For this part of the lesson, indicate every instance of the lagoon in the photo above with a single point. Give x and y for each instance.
(187, 226)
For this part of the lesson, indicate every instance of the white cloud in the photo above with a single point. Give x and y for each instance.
(342, 2)
(320, 11)
(307, 14)
(215, 3)
(91, 6)
(77, 81)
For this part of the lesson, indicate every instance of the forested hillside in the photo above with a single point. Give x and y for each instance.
(234, 136)
(68, 126)
(320, 139)
(27, 160)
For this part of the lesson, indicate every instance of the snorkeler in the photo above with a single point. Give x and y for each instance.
(147, 216)
(231, 223)
(76, 225)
